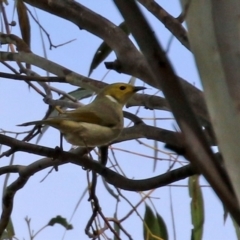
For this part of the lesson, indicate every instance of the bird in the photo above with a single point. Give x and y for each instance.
(95, 124)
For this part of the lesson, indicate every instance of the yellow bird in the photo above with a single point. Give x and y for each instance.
(95, 124)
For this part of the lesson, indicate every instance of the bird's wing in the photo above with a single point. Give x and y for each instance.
(95, 114)
(81, 116)
(102, 112)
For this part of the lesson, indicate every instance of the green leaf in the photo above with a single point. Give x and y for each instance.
(79, 94)
(237, 229)
(104, 50)
(116, 228)
(162, 227)
(5, 236)
(24, 22)
(151, 228)
(8, 232)
(197, 207)
(62, 221)
(10, 229)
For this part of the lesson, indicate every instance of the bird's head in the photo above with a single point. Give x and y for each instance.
(119, 92)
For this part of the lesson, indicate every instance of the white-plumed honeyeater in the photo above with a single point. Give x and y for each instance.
(95, 124)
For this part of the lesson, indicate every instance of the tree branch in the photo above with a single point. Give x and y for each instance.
(171, 23)
(32, 78)
(56, 158)
(129, 59)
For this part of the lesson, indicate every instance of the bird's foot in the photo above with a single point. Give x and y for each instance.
(57, 153)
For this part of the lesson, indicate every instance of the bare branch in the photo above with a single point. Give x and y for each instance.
(129, 59)
(32, 78)
(78, 159)
(171, 23)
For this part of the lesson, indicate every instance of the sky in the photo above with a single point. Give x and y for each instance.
(60, 192)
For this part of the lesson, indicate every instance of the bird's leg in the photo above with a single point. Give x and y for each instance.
(88, 148)
(103, 160)
(58, 151)
(103, 155)
(61, 141)
(92, 188)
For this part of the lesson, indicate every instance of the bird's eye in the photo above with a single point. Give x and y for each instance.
(122, 88)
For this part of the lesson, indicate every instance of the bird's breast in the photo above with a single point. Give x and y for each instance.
(90, 135)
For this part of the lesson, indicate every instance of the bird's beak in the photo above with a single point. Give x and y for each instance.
(136, 89)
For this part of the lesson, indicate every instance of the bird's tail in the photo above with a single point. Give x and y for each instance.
(38, 123)
(53, 122)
